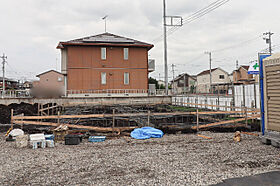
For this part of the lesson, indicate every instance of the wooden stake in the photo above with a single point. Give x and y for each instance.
(197, 120)
(58, 121)
(113, 118)
(12, 118)
(149, 113)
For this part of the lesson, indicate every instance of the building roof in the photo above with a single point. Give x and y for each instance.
(48, 72)
(7, 79)
(206, 72)
(182, 75)
(105, 39)
(245, 67)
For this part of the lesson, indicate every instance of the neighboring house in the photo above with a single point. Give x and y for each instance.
(220, 81)
(105, 62)
(183, 83)
(241, 76)
(27, 85)
(9, 84)
(51, 83)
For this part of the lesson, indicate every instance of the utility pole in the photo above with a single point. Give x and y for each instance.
(172, 18)
(165, 48)
(105, 18)
(210, 64)
(173, 72)
(237, 65)
(3, 69)
(268, 40)
(184, 83)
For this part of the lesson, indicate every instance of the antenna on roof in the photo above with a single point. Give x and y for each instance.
(105, 18)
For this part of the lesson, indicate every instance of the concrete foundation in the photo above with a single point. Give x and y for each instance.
(137, 100)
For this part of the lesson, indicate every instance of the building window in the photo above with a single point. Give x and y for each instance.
(222, 77)
(126, 78)
(103, 53)
(125, 53)
(103, 78)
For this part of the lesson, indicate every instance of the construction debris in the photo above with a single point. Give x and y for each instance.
(205, 137)
(237, 136)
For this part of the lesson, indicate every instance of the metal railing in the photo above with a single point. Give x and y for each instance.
(15, 94)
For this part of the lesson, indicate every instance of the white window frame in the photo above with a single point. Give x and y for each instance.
(125, 53)
(103, 78)
(103, 53)
(126, 78)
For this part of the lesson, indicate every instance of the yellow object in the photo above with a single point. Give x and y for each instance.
(8, 132)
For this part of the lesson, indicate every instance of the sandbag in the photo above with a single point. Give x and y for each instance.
(146, 133)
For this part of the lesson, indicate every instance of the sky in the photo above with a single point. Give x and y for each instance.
(31, 29)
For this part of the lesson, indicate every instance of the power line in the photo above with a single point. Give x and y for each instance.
(211, 7)
(242, 43)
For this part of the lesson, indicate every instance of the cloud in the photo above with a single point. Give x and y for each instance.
(33, 28)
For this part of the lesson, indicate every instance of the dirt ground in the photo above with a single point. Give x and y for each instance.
(182, 159)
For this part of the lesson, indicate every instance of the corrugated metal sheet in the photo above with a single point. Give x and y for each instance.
(272, 92)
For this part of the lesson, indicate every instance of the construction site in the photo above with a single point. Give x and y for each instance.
(123, 93)
(200, 146)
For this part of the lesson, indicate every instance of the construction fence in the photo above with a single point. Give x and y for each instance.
(239, 97)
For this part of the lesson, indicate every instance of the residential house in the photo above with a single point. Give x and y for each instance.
(105, 62)
(51, 83)
(183, 83)
(241, 76)
(220, 81)
(10, 84)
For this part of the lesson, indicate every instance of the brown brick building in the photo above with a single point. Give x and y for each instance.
(104, 61)
(241, 76)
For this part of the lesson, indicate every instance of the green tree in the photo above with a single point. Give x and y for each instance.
(153, 81)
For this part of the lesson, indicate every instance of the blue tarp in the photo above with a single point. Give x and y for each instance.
(146, 133)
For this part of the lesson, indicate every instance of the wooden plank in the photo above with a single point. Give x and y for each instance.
(205, 137)
(48, 108)
(98, 129)
(249, 133)
(226, 122)
(127, 115)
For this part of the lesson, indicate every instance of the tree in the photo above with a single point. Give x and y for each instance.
(153, 81)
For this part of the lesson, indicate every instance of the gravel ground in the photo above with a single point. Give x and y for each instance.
(184, 159)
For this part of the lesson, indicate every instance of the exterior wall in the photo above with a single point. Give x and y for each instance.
(84, 68)
(50, 81)
(242, 75)
(203, 81)
(179, 84)
(64, 61)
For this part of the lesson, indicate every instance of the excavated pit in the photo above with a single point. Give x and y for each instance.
(167, 123)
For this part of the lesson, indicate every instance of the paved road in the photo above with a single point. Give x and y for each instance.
(270, 178)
